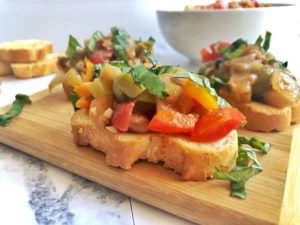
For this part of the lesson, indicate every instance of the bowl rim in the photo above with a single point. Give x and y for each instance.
(271, 6)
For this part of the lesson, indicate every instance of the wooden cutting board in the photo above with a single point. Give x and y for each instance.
(43, 130)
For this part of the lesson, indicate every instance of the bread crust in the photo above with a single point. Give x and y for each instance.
(194, 161)
(34, 69)
(265, 118)
(22, 51)
(296, 112)
(5, 68)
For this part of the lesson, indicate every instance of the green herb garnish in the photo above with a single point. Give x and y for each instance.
(74, 98)
(142, 76)
(120, 43)
(93, 41)
(267, 41)
(264, 147)
(150, 57)
(259, 40)
(203, 81)
(97, 70)
(73, 44)
(247, 165)
(20, 101)
(232, 51)
(165, 69)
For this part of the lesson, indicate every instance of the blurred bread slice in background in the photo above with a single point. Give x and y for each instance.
(5, 68)
(22, 51)
(38, 68)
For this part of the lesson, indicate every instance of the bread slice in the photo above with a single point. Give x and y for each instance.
(5, 68)
(22, 51)
(262, 117)
(194, 161)
(34, 69)
(296, 112)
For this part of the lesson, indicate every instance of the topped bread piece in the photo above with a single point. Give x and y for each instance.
(23, 51)
(252, 79)
(117, 46)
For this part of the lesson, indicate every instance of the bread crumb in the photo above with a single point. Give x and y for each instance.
(80, 131)
(108, 113)
(112, 129)
(93, 110)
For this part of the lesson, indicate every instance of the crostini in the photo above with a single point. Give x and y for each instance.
(253, 80)
(155, 113)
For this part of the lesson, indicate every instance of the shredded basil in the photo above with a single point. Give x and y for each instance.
(247, 165)
(150, 57)
(259, 40)
(74, 98)
(20, 101)
(97, 70)
(93, 41)
(264, 147)
(142, 76)
(165, 69)
(120, 43)
(232, 51)
(203, 81)
(267, 41)
(73, 44)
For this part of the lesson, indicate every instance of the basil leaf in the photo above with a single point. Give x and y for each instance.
(73, 44)
(93, 42)
(242, 174)
(142, 76)
(165, 69)
(267, 41)
(238, 189)
(119, 64)
(74, 98)
(203, 81)
(243, 171)
(20, 101)
(97, 70)
(264, 147)
(204, 67)
(121, 54)
(283, 65)
(258, 41)
(217, 82)
(150, 57)
(232, 51)
(119, 37)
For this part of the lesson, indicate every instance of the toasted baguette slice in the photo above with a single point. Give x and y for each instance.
(34, 69)
(194, 161)
(262, 117)
(24, 50)
(5, 68)
(296, 112)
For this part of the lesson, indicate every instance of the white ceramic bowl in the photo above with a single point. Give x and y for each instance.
(188, 31)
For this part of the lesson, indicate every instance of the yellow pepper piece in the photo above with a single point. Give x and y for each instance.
(73, 78)
(200, 95)
(89, 67)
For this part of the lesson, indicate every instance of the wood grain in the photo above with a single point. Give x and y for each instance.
(43, 130)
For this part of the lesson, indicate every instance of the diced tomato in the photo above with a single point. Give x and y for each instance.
(215, 48)
(170, 121)
(121, 115)
(216, 124)
(96, 58)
